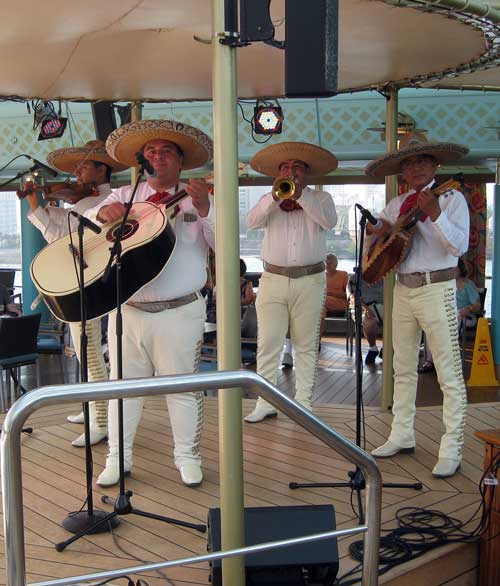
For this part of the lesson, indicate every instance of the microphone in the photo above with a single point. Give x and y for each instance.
(39, 165)
(86, 222)
(145, 164)
(367, 214)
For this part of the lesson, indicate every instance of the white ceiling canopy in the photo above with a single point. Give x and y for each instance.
(146, 50)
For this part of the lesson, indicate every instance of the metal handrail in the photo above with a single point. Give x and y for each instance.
(10, 453)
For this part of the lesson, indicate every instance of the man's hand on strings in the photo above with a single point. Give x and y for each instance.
(112, 212)
(198, 190)
(429, 204)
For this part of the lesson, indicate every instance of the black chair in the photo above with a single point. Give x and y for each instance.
(341, 322)
(7, 277)
(18, 347)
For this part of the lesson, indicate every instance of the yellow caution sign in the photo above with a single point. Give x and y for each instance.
(482, 372)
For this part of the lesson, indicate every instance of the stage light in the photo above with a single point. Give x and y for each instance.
(267, 119)
(50, 123)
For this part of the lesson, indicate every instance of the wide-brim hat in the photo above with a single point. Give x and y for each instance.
(124, 142)
(414, 144)
(68, 159)
(320, 161)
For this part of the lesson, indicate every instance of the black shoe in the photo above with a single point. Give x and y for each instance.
(380, 354)
(370, 357)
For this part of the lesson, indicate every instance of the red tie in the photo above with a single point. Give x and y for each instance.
(409, 204)
(159, 197)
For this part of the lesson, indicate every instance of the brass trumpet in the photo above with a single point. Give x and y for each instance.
(284, 188)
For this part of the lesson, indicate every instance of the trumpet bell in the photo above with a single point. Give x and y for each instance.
(284, 188)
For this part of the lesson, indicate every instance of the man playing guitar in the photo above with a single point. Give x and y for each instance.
(424, 295)
(163, 323)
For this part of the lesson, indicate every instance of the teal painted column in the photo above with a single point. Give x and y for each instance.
(31, 242)
(495, 273)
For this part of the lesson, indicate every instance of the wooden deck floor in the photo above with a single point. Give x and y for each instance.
(275, 453)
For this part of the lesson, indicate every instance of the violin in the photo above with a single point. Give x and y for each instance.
(69, 192)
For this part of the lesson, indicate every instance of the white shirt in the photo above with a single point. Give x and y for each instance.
(185, 272)
(435, 245)
(295, 238)
(53, 222)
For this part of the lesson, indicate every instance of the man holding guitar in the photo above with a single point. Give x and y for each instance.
(92, 166)
(424, 294)
(163, 323)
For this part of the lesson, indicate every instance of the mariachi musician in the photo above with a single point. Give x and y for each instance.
(163, 323)
(424, 294)
(292, 288)
(92, 167)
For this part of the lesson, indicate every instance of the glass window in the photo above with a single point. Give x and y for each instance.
(10, 231)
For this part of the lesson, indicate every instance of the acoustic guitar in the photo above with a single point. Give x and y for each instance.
(386, 253)
(147, 245)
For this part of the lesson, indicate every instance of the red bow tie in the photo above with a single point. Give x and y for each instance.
(409, 204)
(159, 197)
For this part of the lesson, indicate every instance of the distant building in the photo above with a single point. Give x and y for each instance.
(8, 214)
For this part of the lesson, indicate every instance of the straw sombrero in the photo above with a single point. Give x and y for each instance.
(124, 142)
(319, 160)
(415, 144)
(68, 159)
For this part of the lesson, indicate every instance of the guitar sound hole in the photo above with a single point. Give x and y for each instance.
(129, 230)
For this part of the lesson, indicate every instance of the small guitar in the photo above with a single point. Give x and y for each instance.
(386, 253)
(147, 245)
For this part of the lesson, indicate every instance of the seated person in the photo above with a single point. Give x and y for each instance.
(372, 301)
(336, 286)
(246, 287)
(468, 305)
(8, 307)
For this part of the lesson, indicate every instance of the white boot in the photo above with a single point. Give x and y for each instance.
(262, 410)
(98, 412)
(132, 411)
(191, 473)
(111, 473)
(76, 418)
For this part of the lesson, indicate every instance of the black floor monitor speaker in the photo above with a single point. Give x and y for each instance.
(314, 563)
(311, 48)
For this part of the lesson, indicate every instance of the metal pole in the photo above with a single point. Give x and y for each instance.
(391, 187)
(228, 290)
(495, 273)
(135, 115)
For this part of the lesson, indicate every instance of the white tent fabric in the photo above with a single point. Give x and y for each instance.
(146, 50)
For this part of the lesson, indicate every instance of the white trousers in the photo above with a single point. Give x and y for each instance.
(284, 303)
(163, 343)
(96, 367)
(431, 308)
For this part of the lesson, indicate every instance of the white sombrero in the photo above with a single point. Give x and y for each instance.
(411, 145)
(68, 159)
(319, 160)
(124, 142)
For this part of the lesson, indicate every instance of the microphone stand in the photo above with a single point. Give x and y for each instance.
(356, 480)
(91, 520)
(122, 504)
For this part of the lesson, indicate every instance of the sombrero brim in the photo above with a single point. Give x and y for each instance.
(68, 159)
(124, 142)
(390, 164)
(319, 160)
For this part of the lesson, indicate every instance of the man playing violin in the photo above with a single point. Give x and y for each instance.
(92, 167)
(163, 323)
(424, 294)
(292, 288)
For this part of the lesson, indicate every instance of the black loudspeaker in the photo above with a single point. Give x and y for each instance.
(314, 563)
(104, 119)
(311, 52)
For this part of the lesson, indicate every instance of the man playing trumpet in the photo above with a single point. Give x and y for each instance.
(292, 289)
